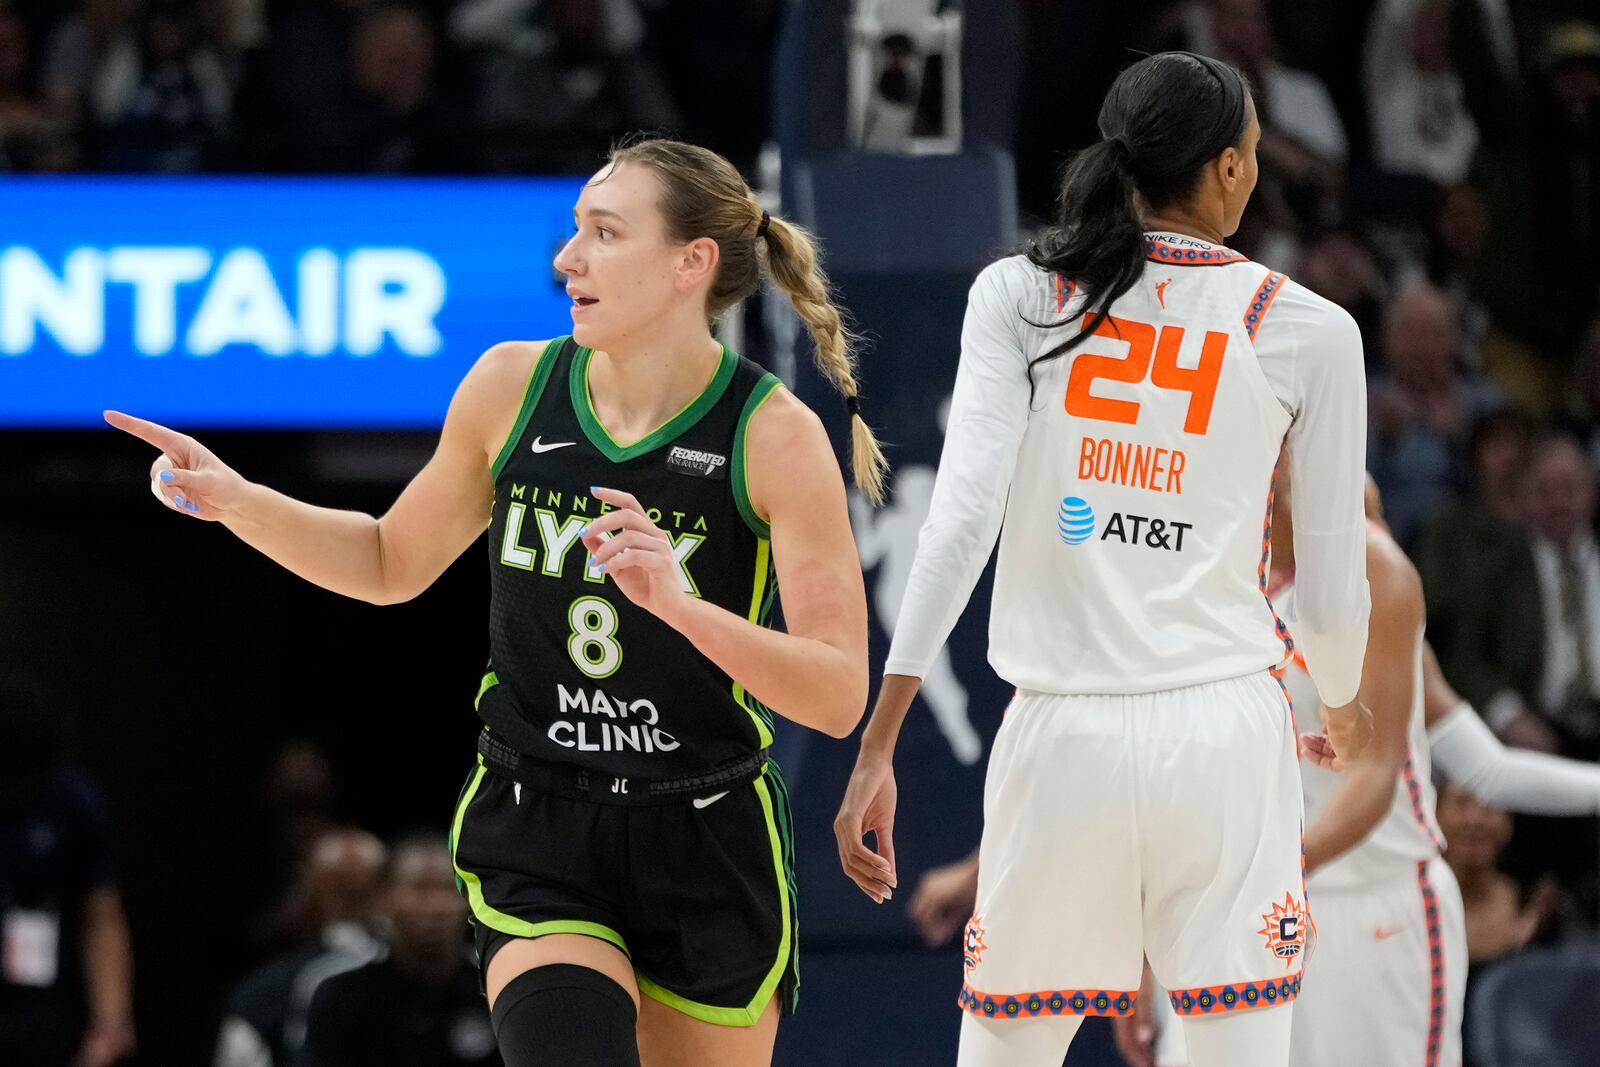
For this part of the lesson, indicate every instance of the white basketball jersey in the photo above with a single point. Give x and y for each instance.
(1409, 831)
(1133, 553)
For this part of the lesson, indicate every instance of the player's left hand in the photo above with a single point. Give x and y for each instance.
(634, 552)
(1347, 732)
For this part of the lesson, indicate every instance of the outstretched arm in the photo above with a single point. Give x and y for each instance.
(382, 561)
(1469, 753)
(988, 416)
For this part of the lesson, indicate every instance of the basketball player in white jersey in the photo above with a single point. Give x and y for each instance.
(1121, 399)
(1391, 945)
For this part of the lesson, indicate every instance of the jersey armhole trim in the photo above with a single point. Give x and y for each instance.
(741, 485)
(1266, 293)
(538, 375)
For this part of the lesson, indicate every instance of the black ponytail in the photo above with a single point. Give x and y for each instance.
(1161, 121)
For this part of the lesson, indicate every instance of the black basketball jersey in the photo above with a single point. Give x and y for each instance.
(578, 674)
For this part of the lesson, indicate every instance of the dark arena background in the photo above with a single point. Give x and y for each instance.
(288, 227)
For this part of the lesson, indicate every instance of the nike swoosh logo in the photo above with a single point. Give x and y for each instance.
(706, 802)
(1384, 935)
(540, 446)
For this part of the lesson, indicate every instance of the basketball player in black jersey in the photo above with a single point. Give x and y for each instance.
(647, 491)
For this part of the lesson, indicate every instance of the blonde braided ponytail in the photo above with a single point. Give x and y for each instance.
(792, 259)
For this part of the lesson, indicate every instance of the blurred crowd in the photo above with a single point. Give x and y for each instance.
(374, 86)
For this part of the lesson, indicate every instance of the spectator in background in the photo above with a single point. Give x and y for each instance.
(1303, 144)
(560, 80)
(1529, 636)
(66, 969)
(391, 116)
(163, 105)
(34, 136)
(1420, 410)
(79, 49)
(24, 119)
(302, 70)
(1338, 265)
(299, 797)
(266, 1021)
(1416, 101)
(1477, 532)
(1541, 174)
(420, 1006)
(1456, 241)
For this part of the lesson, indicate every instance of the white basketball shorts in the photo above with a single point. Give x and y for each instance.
(1162, 824)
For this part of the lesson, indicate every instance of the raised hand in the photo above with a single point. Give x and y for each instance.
(634, 551)
(187, 476)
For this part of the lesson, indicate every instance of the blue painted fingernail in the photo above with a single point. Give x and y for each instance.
(590, 561)
(178, 500)
(192, 506)
(584, 532)
(594, 489)
(166, 476)
(601, 568)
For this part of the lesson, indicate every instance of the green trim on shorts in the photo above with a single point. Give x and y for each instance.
(751, 1013)
(538, 375)
(499, 920)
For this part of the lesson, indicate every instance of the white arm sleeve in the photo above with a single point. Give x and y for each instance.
(988, 414)
(1511, 778)
(1310, 351)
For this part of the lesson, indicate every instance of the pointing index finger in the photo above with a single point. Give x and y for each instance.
(152, 433)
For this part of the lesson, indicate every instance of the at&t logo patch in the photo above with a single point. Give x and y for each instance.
(1075, 520)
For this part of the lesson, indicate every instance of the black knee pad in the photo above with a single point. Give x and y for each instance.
(563, 1015)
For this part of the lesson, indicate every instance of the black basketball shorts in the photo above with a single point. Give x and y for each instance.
(698, 892)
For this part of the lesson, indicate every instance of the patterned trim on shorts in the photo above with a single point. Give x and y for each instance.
(1048, 1002)
(1430, 911)
(1239, 996)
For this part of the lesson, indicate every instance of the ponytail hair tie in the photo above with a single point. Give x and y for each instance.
(852, 404)
(761, 230)
(1121, 149)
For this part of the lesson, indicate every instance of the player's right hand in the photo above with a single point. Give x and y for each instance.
(868, 807)
(187, 476)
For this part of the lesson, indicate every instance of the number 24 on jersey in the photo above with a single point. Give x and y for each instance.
(1146, 347)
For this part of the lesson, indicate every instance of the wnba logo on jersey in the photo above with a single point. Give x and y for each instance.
(1075, 520)
(1287, 926)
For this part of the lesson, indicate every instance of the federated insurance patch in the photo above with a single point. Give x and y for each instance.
(693, 461)
(1288, 930)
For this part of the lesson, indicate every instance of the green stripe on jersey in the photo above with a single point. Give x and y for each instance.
(538, 375)
(692, 412)
(739, 474)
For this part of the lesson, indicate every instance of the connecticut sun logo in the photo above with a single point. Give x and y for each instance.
(1286, 930)
(972, 945)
